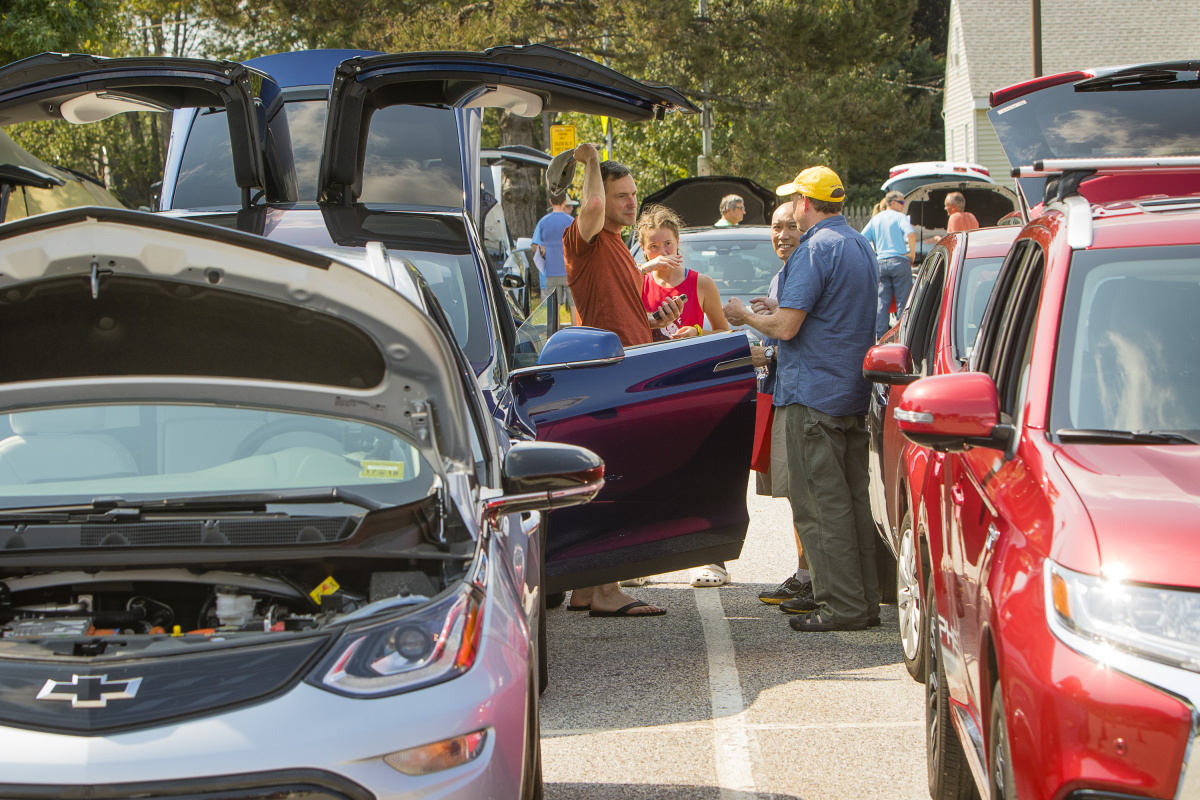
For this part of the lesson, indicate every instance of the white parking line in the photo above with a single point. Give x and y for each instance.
(733, 747)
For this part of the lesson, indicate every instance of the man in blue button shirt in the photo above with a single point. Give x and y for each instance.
(891, 234)
(825, 322)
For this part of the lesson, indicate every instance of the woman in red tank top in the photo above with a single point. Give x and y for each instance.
(664, 275)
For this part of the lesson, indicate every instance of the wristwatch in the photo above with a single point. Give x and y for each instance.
(769, 352)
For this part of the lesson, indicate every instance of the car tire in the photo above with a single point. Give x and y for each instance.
(543, 665)
(1002, 785)
(949, 775)
(910, 603)
(885, 568)
(533, 787)
(555, 599)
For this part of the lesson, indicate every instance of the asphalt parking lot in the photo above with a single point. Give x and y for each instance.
(721, 699)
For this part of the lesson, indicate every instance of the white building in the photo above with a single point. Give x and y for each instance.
(991, 46)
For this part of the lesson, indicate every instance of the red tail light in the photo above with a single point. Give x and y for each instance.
(896, 171)
(1002, 96)
(984, 170)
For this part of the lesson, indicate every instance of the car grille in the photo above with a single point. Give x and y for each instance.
(291, 530)
(299, 784)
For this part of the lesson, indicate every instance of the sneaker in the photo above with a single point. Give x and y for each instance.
(821, 621)
(785, 591)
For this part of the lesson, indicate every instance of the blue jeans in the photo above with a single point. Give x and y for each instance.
(895, 279)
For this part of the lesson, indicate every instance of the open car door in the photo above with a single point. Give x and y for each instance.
(674, 424)
(82, 89)
(441, 165)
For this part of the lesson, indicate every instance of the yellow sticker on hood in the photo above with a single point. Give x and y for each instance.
(328, 586)
(383, 469)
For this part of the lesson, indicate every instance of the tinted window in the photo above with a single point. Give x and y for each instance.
(454, 280)
(1129, 350)
(206, 170)
(412, 158)
(306, 121)
(975, 283)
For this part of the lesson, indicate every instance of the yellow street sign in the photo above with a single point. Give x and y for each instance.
(562, 137)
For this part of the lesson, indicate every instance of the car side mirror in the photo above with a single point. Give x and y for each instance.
(952, 412)
(539, 476)
(578, 346)
(889, 363)
(511, 281)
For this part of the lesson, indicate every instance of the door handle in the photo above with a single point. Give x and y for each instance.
(956, 495)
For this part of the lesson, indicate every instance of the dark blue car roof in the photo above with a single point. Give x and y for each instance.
(304, 67)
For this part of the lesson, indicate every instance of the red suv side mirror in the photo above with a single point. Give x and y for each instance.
(950, 412)
(890, 364)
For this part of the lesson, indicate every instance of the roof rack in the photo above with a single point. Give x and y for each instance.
(1078, 212)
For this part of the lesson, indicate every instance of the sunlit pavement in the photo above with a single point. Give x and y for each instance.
(721, 699)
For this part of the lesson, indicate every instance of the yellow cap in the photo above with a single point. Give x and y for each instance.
(819, 183)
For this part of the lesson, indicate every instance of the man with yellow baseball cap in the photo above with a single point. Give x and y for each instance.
(824, 319)
(819, 183)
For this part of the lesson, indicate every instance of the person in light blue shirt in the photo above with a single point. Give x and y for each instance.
(892, 237)
(548, 238)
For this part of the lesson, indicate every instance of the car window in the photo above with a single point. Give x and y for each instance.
(920, 319)
(976, 278)
(1011, 366)
(306, 122)
(412, 158)
(206, 169)
(1129, 350)
(741, 267)
(990, 328)
(454, 279)
(138, 451)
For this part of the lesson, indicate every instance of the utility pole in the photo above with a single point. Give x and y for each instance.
(1036, 29)
(608, 123)
(704, 162)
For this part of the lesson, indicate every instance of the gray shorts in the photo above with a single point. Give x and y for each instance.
(564, 294)
(774, 482)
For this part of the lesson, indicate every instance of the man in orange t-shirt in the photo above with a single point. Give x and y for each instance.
(959, 218)
(607, 287)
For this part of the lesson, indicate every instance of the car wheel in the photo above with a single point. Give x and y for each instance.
(543, 666)
(533, 787)
(1000, 763)
(885, 568)
(949, 776)
(555, 599)
(914, 636)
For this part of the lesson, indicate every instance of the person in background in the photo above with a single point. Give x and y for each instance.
(894, 241)
(665, 275)
(960, 218)
(607, 286)
(548, 238)
(825, 320)
(733, 208)
(785, 235)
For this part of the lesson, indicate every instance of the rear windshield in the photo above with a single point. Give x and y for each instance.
(1129, 349)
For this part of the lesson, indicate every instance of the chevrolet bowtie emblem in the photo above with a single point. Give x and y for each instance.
(90, 691)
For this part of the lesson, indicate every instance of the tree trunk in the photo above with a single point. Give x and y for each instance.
(521, 191)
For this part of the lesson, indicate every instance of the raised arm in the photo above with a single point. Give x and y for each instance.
(591, 201)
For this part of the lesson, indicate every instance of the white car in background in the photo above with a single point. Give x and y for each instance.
(906, 177)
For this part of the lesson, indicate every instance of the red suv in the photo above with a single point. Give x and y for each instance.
(934, 337)
(1064, 517)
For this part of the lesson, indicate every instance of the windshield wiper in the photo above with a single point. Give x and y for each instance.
(1140, 78)
(1102, 436)
(110, 509)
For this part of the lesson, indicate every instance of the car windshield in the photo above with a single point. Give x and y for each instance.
(1129, 350)
(151, 451)
(742, 266)
(975, 284)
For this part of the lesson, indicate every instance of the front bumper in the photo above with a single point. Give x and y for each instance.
(307, 744)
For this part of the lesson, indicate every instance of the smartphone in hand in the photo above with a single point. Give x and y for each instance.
(657, 312)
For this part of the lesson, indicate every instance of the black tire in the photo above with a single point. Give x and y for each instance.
(543, 665)
(885, 568)
(910, 603)
(555, 599)
(532, 787)
(1000, 763)
(949, 775)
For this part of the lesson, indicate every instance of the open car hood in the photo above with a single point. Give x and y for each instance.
(1147, 110)
(698, 200)
(525, 80)
(83, 88)
(104, 305)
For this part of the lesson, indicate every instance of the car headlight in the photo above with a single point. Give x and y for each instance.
(432, 644)
(1156, 622)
